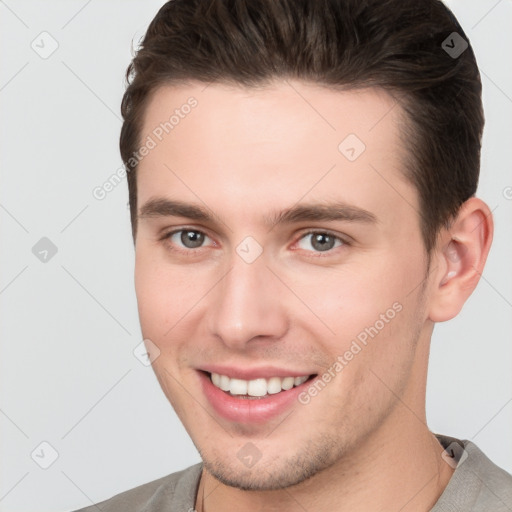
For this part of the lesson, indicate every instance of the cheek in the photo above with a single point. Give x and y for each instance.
(353, 297)
(370, 312)
(164, 295)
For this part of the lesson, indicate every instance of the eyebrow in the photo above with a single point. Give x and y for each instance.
(163, 207)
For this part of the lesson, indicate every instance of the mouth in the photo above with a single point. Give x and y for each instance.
(256, 389)
(238, 403)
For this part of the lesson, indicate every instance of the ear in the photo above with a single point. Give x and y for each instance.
(459, 259)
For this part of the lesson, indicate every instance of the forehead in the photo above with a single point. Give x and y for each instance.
(229, 146)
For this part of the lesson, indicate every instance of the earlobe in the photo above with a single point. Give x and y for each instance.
(461, 256)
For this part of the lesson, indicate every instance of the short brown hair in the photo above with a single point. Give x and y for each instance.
(401, 46)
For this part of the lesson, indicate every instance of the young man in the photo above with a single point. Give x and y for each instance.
(302, 178)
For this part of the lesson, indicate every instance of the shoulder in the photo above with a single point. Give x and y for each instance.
(495, 482)
(176, 491)
(477, 484)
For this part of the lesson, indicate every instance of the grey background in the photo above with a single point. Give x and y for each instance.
(69, 325)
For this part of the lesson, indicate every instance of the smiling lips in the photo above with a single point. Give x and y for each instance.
(252, 395)
(256, 388)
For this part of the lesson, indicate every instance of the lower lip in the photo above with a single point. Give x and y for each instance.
(246, 410)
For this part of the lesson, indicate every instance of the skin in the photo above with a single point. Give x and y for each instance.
(363, 442)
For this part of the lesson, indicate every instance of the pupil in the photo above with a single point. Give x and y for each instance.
(323, 242)
(192, 239)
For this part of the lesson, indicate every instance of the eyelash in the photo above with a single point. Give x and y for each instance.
(318, 254)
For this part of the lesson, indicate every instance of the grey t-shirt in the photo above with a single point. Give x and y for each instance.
(476, 485)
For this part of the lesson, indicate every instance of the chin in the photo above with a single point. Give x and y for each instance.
(257, 479)
(280, 473)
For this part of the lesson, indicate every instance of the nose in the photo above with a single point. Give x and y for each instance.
(248, 304)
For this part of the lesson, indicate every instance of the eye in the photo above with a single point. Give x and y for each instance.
(320, 241)
(188, 238)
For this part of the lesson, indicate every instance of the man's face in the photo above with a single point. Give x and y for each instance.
(239, 294)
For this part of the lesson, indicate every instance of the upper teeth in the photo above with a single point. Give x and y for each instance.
(256, 387)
